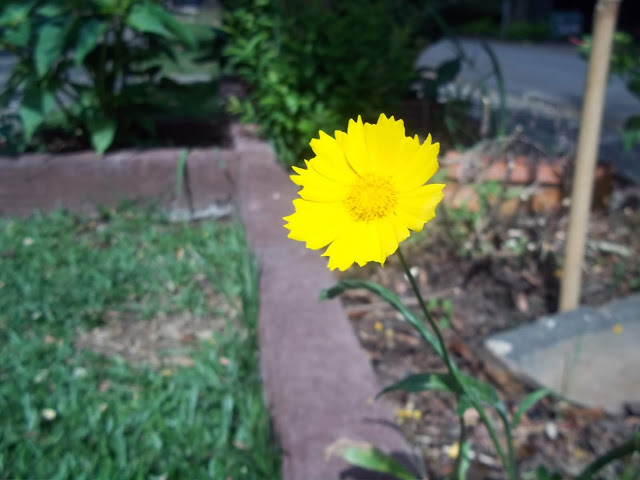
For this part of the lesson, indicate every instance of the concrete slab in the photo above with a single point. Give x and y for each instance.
(588, 355)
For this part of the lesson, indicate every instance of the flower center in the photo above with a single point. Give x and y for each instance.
(371, 197)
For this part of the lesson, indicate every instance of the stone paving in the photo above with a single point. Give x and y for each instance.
(590, 356)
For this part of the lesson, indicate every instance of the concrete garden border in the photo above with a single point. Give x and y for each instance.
(318, 383)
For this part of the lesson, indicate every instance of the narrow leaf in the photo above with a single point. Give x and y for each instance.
(49, 46)
(364, 455)
(102, 131)
(528, 402)
(392, 299)
(465, 460)
(448, 70)
(631, 132)
(87, 38)
(180, 167)
(443, 382)
(143, 17)
(31, 111)
(481, 392)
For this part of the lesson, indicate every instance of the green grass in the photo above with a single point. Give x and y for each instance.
(61, 273)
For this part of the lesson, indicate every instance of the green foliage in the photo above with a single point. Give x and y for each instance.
(367, 456)
(481, 27)
(468, 391)
(625, 62)
(526, 31)
(311, 66)
(97, 69)
(61, 273)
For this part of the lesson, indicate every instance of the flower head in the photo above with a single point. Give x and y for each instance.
(363, 191)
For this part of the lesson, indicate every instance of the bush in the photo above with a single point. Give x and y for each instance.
(312, 66)
(525, 31)
(94, 69)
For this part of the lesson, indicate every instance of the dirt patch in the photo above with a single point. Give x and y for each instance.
(161, 341)
(481, 278)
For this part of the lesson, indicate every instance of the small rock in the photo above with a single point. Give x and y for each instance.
(471, 417)
(551, 431)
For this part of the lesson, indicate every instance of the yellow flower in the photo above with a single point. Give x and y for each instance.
(363, 191)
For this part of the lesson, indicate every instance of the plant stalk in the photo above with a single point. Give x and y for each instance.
(627, 448)
(453, 370)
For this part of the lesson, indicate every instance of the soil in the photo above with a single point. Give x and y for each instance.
(484, 276)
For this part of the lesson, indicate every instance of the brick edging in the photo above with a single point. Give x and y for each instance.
(317, 381)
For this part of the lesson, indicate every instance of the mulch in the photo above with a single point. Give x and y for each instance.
(495, 276)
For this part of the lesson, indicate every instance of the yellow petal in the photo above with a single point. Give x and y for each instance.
(316, 223)
(317, 187)
(353, 145)
(417, 207)
(330, 159)
(419, 167)
(382, 140)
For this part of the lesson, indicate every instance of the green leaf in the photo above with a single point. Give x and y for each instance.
(392, 299)
(443, 382)
(481, 392)
(50, 10)
(631, 133)
(102, 131)
(151, 18)
(465, 460)
(180, 168)
(528, 402)
(543, 474)
(87, 38)
(17, 36)
(448, 71)
(31, 111)
(49, 46)
(464, 404)
(143, 17)
(15, 13)
(367, 456)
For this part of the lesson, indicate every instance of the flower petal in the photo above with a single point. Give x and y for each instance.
(317, 224)
(317, 187)
(354, 147)
(419, 167)
(330, 159)
(382, 140)
(417, 207)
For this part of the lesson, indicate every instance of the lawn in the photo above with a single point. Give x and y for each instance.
(188, 409)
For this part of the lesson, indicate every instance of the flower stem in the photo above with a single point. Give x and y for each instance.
(512, 469)
(507, 462)
(459, 475)
(627, 448)
(427, 315)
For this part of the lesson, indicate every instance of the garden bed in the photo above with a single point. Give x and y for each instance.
(484, 273)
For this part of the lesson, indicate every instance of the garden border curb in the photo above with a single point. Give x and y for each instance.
(318, 383)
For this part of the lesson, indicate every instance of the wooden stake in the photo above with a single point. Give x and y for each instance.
(604, 23)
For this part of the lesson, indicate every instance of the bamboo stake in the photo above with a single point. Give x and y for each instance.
(604, 23)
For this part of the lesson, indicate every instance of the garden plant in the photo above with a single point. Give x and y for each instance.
(96, 72)
(362, 194)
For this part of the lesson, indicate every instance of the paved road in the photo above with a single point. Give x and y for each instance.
(547, 81)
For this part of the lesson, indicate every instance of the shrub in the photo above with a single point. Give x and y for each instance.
(94, 69)
(311, 66)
